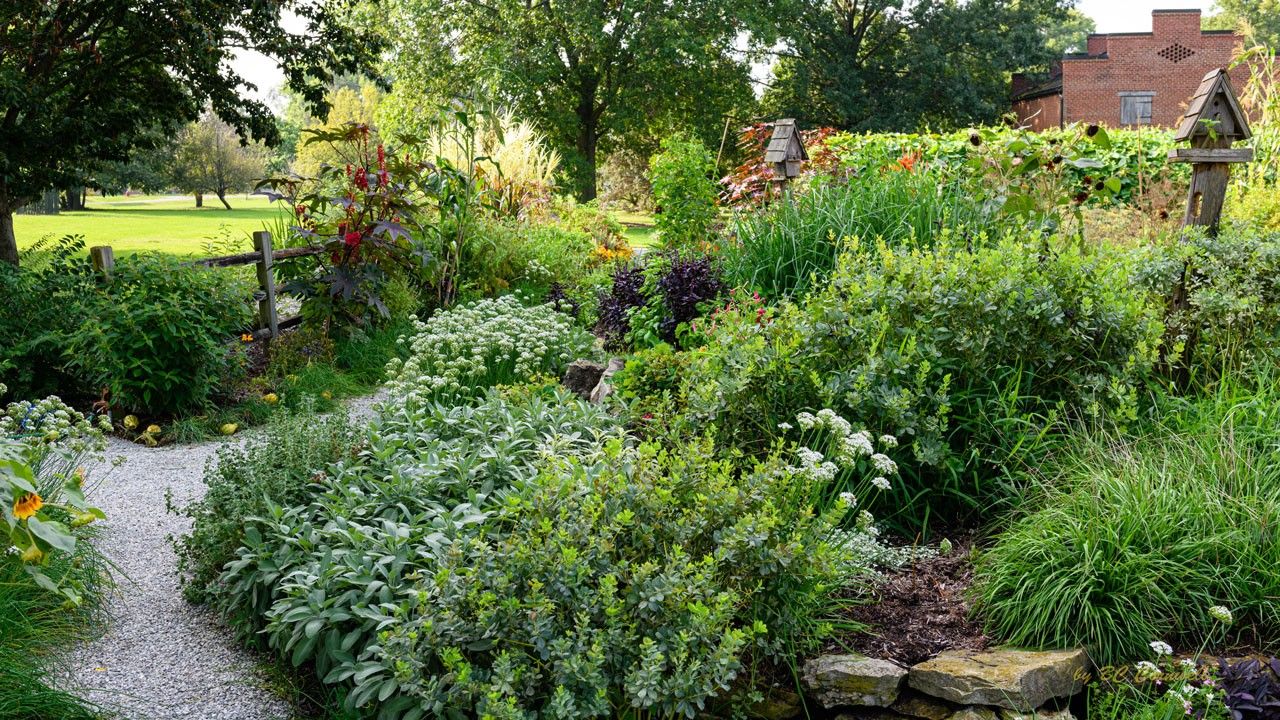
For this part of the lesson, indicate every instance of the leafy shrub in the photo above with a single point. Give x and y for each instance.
(518, 558)
(274, 467)
(158, 336)
(654, 303)
(1135, 538)
(460, 352)
(1233, 285)
(557, 255)
(625, 294)
(684, 193)
(786, 249)
(966, 356)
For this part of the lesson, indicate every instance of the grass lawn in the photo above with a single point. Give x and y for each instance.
(165, 224)
(639, 232)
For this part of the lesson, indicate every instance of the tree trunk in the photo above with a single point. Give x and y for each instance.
(74, 198)
(588, 139)
(199, 199)
(222, 195)
(8, 242)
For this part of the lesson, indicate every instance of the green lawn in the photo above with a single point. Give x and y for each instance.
(172, 224)
(165, 224)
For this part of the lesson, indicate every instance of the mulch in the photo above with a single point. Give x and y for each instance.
(918, 611)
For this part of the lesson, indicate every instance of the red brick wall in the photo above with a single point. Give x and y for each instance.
(1091, 86)
(1042, 113)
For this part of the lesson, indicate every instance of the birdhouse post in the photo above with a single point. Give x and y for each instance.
(1213, 122)
(785, 153)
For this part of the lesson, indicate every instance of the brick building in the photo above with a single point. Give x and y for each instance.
(1123, 79)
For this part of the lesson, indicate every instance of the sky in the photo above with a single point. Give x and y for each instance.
(1110, 15)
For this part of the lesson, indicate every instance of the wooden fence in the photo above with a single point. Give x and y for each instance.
(263, 255)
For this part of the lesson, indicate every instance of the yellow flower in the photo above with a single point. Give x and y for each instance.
(79, 476)
(229, 428)
(32, 554)
(326, 395)
(153, 429)
(270, 399)
(27, 505)
(130, 421)
(247, 337)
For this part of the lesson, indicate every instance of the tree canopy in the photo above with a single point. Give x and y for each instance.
(210, 158)
(86, 81)
(591, 74)
(898, 65)
(1259, 20)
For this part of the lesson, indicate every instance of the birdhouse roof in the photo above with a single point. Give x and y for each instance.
(1216, 101)
(786, 143)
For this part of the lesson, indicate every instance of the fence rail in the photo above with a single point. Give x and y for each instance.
(263, 255)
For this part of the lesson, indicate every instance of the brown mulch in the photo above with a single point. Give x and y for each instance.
(918, 611)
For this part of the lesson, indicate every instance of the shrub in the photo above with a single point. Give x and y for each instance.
(655, 303)
(159, 335)
(967, 356)
(273, 467)
(517, 558)
(792, 246)
(1134, 538)
(683, 191)
(556, 255)
(460, 352)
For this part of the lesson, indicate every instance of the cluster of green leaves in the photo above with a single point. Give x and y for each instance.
(157, 337)
(967, 355)
(1133, 537)
(684, 193)
(276, 467)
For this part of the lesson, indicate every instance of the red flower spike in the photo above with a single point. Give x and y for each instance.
(352, 239)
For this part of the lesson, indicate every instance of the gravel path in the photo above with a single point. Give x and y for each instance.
(161, 656)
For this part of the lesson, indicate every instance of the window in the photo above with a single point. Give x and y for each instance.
(1135, 108)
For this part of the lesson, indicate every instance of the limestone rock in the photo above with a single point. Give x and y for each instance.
(778, 704)
(1021, 680)
(582, 376)
(838, 680)
(976, 712)
(603, 387)
(916, 705)
(1041, 714)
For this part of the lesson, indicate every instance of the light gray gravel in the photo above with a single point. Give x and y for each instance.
(162, 657)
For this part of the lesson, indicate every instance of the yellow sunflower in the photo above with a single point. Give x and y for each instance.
(27, 505)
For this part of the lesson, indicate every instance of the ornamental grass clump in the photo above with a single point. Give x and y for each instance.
(1158, 536)
(460, 352)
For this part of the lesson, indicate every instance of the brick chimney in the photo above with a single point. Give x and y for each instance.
(1175, 23)
(1097, 45)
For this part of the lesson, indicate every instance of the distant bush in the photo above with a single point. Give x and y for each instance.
(967, 356)
(1134, 538)
(684, 193)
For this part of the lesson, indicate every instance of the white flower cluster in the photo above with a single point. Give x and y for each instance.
(815, 466)
(1161, 648)
(486, 343)
(52, 421)
(1221, 614)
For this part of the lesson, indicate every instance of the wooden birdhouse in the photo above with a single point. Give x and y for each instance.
(785, 151)
(1213, 122)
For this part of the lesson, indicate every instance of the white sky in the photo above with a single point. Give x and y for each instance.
(1111, 16)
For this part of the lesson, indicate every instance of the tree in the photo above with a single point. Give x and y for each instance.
(1070, 34)
(83, 81)
(591, 74)
(1259, 20)
(898, 65)
(347, 104)
(210, 158)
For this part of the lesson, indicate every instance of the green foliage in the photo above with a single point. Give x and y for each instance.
(109, 78)
(968, 356)
(894, 65)
(1135, 537)
(784, 250)
(208, 158)
(557, 255)
(159, 335)
(274, 467)
(684, 193)
(461, 352)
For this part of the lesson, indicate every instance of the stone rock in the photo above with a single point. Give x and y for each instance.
(1041, 714)
(582, 376)
(603, 387)
(869, 715)
(1021, 680)
(917, 705)
(975, 712)
(778, 704)
(838, 680)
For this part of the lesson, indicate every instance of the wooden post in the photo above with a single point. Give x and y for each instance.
(104, 260)
(267, 282)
